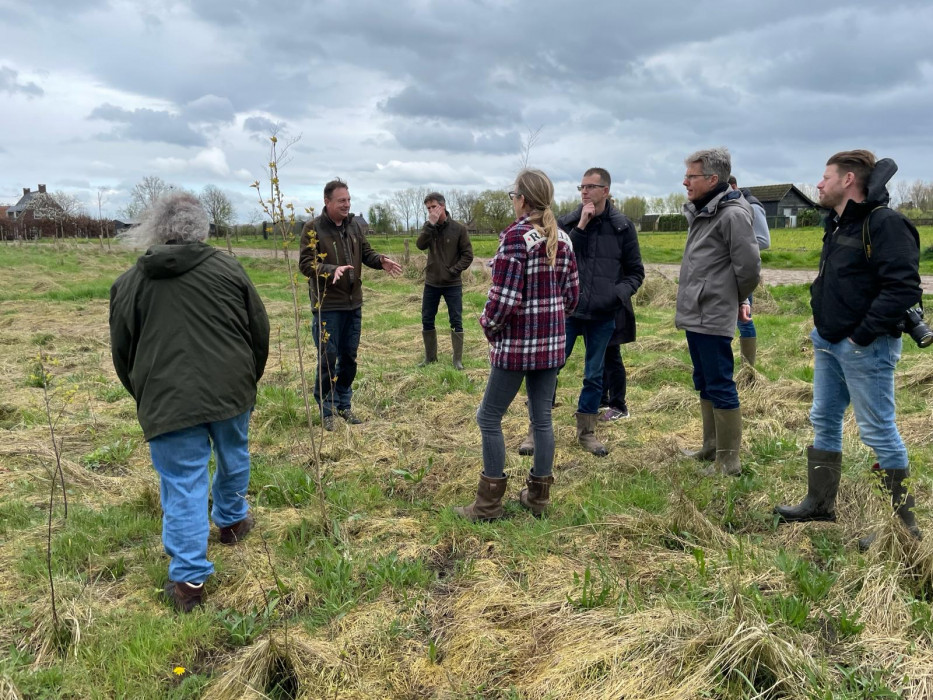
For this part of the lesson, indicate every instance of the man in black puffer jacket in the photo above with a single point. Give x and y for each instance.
(869, 277)
(609, 264)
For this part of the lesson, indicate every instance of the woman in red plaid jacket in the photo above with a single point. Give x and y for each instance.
(534, 287)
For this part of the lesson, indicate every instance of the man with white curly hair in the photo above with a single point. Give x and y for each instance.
(189, 337)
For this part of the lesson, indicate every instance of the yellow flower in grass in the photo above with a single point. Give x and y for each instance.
(179, 670)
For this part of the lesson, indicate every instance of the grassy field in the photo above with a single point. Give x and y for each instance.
(645, 580)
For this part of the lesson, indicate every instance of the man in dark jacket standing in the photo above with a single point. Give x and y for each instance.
(719, 270)
(610, 268)
(868, 279)
(189, 338)
(333, 251)
(449, 254)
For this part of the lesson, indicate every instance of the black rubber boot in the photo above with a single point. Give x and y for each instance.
(430, 347)
(456, 342)
(892, 483)
(824, 469)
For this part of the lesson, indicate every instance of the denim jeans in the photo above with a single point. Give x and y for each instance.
(596, 337)
(746, 328)
(336, 369)
(501, 388)
(431, 299)
(846, 373)
(614, 379)
(181, 459)
(713, 365)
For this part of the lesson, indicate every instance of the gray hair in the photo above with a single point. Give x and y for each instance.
(177, 217)
(436, 197)
(715, 161)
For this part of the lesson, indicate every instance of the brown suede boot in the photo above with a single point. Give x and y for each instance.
(430, 347)
(527, 448)
(185, 597)
(456, 342)
(236, 532)
(537, 493)
(707, 452)
(749, 348)
(586, 434)
(488, 503)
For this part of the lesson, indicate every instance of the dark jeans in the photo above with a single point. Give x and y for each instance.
(336, 369)
(501, 389)
(713, 364)
(453, 297)
(614, 385)
(596, 337)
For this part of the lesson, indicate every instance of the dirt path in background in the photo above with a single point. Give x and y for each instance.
(772, 276)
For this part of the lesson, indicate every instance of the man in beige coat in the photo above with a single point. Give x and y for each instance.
(721, 267)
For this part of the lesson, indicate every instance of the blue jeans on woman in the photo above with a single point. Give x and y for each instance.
(181, 459)
(845, 373)
(501, 388)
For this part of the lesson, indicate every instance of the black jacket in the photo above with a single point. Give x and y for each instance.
(189, 337)
(860, 297)
(609, 265)
(343, 245)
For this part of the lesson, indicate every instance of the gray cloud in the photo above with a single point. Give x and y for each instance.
(446, 105)
(9, 82)
(261, 125)
(147, 125)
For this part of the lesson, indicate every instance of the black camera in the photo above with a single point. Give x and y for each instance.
(913, 324)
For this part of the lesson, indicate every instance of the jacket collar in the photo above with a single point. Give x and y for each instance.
(711, 206)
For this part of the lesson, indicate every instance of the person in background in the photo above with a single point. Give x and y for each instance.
(189, 338)
(534, 288)
(449, 254)
(748, 336)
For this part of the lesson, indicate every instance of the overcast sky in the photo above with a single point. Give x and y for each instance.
(389, 94)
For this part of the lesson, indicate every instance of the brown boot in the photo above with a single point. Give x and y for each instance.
(728, 440)
(537, 493)
(185, 597)
(236, 532)
(430, 347)
(488, 503)
(706, 453)
(749, 348)
(586, 434)
(527, 448)
(456, 342)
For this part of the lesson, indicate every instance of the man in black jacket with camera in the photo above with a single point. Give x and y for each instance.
(868, 280)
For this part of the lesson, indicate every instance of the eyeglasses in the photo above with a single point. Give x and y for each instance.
(590, 188)
(515, 195)
(694, 177)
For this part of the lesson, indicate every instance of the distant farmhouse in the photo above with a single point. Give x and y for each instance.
(782, 204)
(32, 205)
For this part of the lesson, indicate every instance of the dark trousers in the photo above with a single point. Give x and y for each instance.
(713, 365)
(431, 299)
(336, 369)
(614, 385)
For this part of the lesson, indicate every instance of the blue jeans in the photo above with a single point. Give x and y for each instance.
(844, 372)
(336, 369)
(501, 389)
(181, 459)
(596, 337)
(746, 328)
(431, 299)
(713, 365)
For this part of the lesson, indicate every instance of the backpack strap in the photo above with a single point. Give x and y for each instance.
(866, 231)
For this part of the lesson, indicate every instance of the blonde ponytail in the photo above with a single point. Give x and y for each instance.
(538, 191)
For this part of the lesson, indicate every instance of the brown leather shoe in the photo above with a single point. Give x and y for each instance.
(183, 596)
(537, 493)
(236, 532)
(488, 503)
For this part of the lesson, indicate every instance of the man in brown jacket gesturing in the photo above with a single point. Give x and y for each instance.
(449, 254)
(720, 268)
(332, 260)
